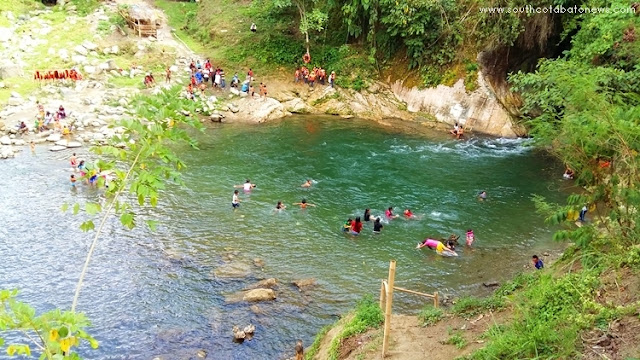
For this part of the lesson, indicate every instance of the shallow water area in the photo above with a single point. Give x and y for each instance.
(163, 293)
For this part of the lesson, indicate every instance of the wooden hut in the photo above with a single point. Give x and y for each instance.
(142, 19)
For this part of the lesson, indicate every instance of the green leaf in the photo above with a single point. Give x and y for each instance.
(65, 207)
(140, 199)
(87, 226)
(127, 220)
(153, 200)
(76, 208)
(92, 208)
(93, 342)
(152, 224)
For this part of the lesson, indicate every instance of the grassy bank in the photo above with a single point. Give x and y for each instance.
(328, 342)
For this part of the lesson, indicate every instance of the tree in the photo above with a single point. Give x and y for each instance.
(310, 20)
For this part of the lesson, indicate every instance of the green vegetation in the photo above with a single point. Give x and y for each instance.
(367, 316)
(469, 306)
(456, 339)
(430, 315)
(313, 350)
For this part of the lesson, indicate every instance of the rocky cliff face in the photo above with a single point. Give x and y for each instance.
(478, 111)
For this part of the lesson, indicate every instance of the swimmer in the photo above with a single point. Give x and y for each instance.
(389, 213)
(73, 181)
(303, 204)
(74, 162)
(347, 225)
(367, 214)
(356, 226)
(280, 206)
(235, 201)
(32, 145)
(482, 195)
(437, 246)
(247, 186)
(377, 226)
(307, 184)
(408, 214)
(82, 168)
(470, 237)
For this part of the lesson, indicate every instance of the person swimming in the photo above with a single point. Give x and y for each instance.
(303, 204)
(377, 226)
(280, 206)
(307, 184)
(408, 214)
(436, 245)
(389, 213)
(247, 186)
(73, 181)
(367, 215)
(482, 195)
(470, 237)
(356, 226)
(347, 225)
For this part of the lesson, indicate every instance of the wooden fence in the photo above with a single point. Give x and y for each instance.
(386, 301)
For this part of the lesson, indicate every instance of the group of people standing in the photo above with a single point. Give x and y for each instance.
(317, 74)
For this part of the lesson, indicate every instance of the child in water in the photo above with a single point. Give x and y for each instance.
(408, 214)
(280, 206)
(303, 204)
(389, 213)
(470, 237)
(73, 181)
(367, 215)
(307, 184)
(347, 225)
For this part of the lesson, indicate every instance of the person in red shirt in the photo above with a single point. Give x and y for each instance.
(356, 226)
(408, 214)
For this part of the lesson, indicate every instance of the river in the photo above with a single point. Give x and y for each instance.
(154, 294)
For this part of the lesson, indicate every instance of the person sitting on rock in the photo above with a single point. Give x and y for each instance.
(61, 113)
(22, 128)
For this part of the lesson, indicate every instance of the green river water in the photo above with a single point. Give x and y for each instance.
(151, 294)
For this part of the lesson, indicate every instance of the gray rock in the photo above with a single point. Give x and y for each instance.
(115, 49)
(6, 152)
(15, 101)
(18, 142)
(62, 142)
(54, 137)
(90, 69)
(5, 140)
(89, 45)
(9, 69)
(74, 144)
(57, 148)
(79, 59)
(81, 50)
(259, 295)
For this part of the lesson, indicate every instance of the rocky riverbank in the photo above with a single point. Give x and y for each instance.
(114, 65)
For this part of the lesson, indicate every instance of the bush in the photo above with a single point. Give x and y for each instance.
(430, 315)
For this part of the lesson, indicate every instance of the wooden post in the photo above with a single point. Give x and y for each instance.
(435, 299)
(382, 296)
(387, 312)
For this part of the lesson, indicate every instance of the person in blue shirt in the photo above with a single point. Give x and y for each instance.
(537, 262)
(199, 77)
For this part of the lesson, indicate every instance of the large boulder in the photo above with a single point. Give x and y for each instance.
(57, 148)
(6, 152)
(5, 140)
(259, 295)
